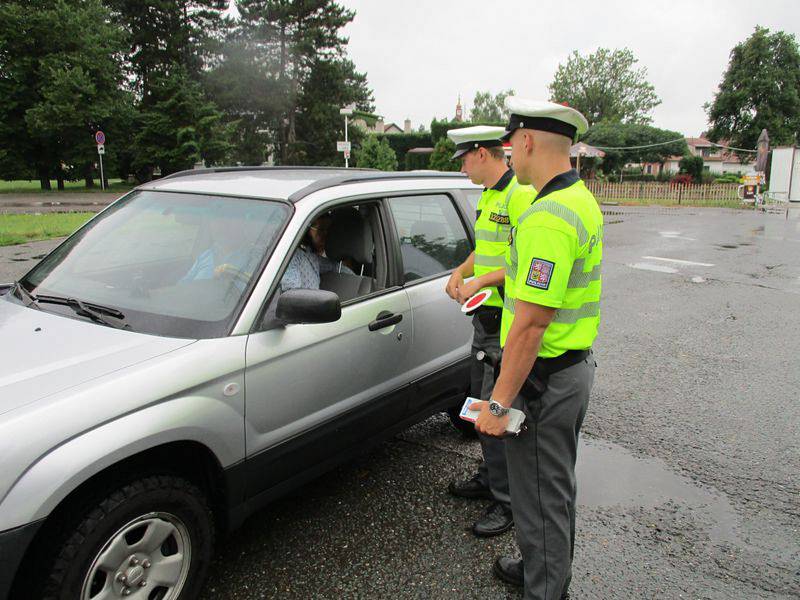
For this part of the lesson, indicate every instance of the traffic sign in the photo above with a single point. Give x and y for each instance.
(100, 138)
(343, 147)
(347, 154)
(101, 149)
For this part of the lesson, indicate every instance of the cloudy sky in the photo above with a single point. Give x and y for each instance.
(420, 54)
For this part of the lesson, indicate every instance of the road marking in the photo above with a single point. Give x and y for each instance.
(675, 235)
(651, 267)
(679, 261)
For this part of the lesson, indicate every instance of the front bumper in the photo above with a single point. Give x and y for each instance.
(13, 545)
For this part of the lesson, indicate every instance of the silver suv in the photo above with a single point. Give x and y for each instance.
(206, 343)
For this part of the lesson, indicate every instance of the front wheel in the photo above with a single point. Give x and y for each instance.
(151, 539)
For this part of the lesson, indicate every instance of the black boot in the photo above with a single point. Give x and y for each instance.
(509, 570)
(495, 520)
(470, 488)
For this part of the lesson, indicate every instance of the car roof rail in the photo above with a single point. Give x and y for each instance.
(209, 170)
(329, 182)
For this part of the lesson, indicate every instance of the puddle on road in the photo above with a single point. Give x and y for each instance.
(610, 475)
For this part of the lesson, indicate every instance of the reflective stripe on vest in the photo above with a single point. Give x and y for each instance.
(562, 212)
(493, 240)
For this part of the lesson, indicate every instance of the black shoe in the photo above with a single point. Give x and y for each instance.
(496, 519)
(470, 488)
(509, 570)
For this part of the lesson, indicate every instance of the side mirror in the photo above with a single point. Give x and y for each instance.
(308, 306)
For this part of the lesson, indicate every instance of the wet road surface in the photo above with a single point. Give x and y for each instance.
(688, 471)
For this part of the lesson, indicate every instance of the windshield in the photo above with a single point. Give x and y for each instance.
(177, 265)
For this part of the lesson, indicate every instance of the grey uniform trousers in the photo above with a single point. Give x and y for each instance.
(541, 467)
(493, 471)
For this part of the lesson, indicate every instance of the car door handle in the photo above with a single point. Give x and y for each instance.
(385, 319)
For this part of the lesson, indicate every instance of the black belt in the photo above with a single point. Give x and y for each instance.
(555, 364)
(536, 382)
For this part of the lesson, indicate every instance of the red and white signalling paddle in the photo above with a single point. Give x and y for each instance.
(475, 301)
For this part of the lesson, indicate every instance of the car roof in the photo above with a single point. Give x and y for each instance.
(284, 183)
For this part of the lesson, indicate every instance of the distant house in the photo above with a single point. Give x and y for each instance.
(716, 160)
(375, 124)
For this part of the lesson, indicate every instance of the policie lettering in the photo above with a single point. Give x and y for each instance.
(596, 239)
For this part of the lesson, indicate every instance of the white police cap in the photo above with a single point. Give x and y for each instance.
(479, 136)
(544, 116)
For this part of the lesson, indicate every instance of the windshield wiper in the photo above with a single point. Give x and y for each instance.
(25, 295)
(90, 310)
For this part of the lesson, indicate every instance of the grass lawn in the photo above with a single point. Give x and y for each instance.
(18, 229)
(21, 186)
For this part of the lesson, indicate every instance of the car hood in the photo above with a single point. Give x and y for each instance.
(42, 353)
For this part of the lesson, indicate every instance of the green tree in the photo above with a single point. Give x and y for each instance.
(441, 157)
(60, 79)
(179, 128)
(331, 84)
(620, 135)
(164, 33)
(374, 154)
(605, 86)
(294, 35)
(759, 90)
(242, 85)
(693, 165)
(490, 109)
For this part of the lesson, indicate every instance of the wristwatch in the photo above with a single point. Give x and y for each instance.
(497, 409)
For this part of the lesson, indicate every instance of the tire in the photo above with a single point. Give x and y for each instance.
(158, 529)
(466, 428)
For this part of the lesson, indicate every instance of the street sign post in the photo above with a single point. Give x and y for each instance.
(346, 111)
(100, 138)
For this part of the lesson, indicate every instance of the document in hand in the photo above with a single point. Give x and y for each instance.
(515, 417)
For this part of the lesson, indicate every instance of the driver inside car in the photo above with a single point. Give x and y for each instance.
(225, 256)
(309, 260)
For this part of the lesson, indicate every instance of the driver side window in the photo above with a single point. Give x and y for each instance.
(342, 251)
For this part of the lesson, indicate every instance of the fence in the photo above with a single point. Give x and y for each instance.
(713, 194)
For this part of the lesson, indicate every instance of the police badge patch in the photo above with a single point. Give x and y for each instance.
(540, 273)
(500, 219)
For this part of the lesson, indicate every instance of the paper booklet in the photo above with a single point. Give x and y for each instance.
(515, 417)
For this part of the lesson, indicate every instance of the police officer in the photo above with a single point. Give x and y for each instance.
(550, 319)
(502, 201)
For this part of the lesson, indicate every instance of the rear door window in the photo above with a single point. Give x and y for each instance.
(432, 236)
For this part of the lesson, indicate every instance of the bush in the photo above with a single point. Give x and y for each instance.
(440, 159)
(693, 166)
(401, 143)
(417, 161)
(728, 178)
(682, 179)
(375, 154)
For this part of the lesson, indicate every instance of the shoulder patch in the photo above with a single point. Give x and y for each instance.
(540, 273)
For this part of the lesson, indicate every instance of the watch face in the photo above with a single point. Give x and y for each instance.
(496, 409)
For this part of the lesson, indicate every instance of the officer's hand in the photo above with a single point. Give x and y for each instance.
(487, 423)
(455, 282)
(466, 291)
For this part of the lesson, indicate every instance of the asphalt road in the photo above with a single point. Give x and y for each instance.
(56, 201)
(688, 474)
